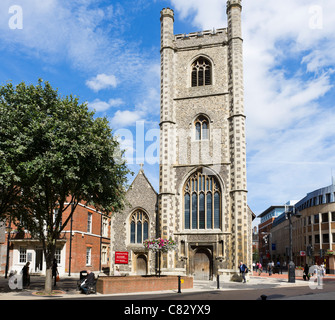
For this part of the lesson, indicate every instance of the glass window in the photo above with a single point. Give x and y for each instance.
(104, 250)
(317, 238)
(217, 210)
(325, 238)
(309, 219)
(89, 222)
(139, 227)
(23, 255)
(209, 211)
(201, 73)
(320, 199)
(58, 256)
(194, 211)
(202, 211)
(88, 256)
(201, 125)
(145, 230)
(104, 227)
(204, 130)
(327, 197)
(132, 232)
(325, 217)
(139, 232)
(197, 131)
(187, 210)
(202, 202)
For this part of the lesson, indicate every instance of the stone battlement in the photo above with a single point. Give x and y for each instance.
(232, 2)
(201, 34)
(167, 12)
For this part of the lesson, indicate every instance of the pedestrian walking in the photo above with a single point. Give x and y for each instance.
(279, 267)
(26, 275)
(260, 269)
(243, 271)
(54, 271)
(270, 268)
(306, 275)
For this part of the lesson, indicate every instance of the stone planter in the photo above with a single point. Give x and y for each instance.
(128, 284)
(299, 273)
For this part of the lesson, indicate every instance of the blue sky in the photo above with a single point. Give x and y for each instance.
(107, 54)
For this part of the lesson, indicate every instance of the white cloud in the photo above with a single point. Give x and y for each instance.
(147, 102)
(87, 34)
(207, 14)
(125, 118)
(100, 106)
(286, 76)
(102, 81)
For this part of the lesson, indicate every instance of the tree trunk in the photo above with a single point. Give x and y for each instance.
(49, 258)
(48, 281)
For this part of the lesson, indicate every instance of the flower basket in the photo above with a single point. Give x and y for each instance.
(160, 245)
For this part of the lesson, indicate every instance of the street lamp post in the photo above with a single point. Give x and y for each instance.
(8, 229)
(291, 265)
(70, 253)
(267, 238)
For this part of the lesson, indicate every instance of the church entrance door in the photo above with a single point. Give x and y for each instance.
(141, 265)
(202, 265)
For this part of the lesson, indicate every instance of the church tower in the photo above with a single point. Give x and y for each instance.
(202, 201)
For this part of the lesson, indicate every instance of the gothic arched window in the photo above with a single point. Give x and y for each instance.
(202, 204)
(139, 227)
(201, 125)
(201, 72)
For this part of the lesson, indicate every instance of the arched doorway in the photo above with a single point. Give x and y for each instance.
(202, 264)
(141, 265)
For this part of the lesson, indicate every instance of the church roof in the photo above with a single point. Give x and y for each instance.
(139, 175)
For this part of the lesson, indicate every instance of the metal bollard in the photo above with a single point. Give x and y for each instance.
(179, 284)
(218, 281)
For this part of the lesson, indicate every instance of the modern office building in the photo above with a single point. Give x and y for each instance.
(313, 234)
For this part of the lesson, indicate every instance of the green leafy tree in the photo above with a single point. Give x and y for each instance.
(55, 154)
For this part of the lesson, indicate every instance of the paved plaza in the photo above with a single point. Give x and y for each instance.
(67, 288)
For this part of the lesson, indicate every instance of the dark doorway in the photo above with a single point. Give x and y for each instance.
(141, 265)
(202, 264)
(39, 260)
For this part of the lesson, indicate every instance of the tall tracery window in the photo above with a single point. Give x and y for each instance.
(201, 72)
(139, 227)
(202, 202)
(201, 126)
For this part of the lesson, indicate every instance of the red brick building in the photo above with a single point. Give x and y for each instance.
(84, 244)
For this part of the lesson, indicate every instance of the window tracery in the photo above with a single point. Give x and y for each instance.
(139, 226)
(202, 202)
(201, 72)
(201, 125)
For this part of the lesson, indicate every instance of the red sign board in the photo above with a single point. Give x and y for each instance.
(302, 253)
(121, 257)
